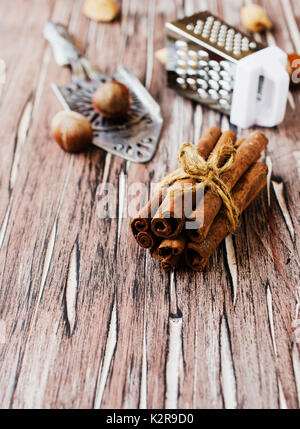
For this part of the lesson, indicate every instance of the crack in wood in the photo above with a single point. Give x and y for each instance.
(279, 193)
(232, 265)
(108, 356)
(228, 381)
(51, 241)
(122, 201)
(143, 391)
(269, 177)
(42, 81)
(71, 290)
(22, 133)
(173, 363)
(4, 224)
(198, 123)
(174, 354)
(271, 319)
(173, 295)
(150, 44)
(105, 172)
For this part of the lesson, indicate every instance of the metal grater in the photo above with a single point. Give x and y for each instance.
(203, 53)
(134, 136)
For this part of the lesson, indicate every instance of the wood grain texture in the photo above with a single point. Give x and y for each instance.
(89, 319)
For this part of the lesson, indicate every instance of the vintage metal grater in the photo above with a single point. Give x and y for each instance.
(204, 59)
(134, 136)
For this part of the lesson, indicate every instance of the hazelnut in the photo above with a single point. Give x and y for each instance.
(101, 10)
(162, 55)
(255, 19)
(293, 69)
(112, 99)
(72, 131)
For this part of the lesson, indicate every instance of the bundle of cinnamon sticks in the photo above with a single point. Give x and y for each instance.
(163, 225)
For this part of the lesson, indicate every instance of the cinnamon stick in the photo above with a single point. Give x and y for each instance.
(247, 153)
(246, 190)
(169, 263)
(154, 253)
(169, 220)
(172, 247)
(142, 221)
(145, 239)
(208, 141)
(239, 142)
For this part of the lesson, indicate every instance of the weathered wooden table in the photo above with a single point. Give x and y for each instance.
(87, 320)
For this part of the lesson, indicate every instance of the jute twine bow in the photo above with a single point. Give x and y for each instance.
(193, 166)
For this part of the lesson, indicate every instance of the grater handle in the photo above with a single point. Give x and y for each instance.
(273, 113)
(64, 49)
(261, 89)
(66, 53)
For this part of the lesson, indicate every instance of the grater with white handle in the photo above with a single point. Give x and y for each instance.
(216, 65)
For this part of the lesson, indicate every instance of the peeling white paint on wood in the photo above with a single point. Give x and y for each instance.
(228, 381)
(198, 120)
(4, 225)
(225, 125)
(278, 189)
(122, 200)
(173, 363)
(173, 296)
(108, 356)
(269, 177)
(105, 173)
(232, 264)
(42, 80)
(72, 288)
(150, 44)
(21, 137)
(143, 394)
(271, 319)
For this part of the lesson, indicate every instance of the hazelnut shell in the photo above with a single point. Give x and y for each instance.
(254, 18)
(101, 10)
(162, 55)
(112, 99)
(72, 131)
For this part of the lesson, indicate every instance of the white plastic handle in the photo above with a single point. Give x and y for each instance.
(261, 89)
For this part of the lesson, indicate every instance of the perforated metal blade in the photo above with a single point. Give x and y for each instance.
(134, 136)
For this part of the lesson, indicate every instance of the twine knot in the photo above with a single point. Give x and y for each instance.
(208, 173)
